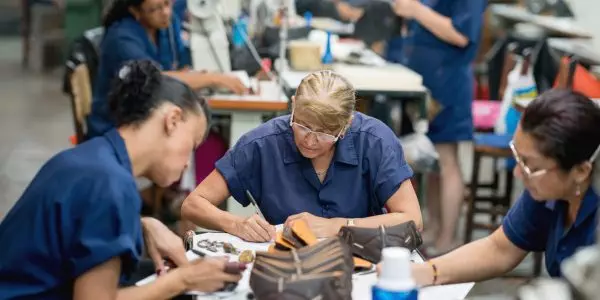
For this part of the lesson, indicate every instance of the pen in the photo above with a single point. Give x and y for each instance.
(253, 201)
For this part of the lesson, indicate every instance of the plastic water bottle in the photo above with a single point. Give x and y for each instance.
(308, 16)
(395, 281)
(240, 29)
(327, 58)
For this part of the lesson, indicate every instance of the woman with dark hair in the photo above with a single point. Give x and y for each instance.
(555, 146)
(76, 230)
(145, 29)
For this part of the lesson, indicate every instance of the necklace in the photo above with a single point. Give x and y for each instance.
(321, 173)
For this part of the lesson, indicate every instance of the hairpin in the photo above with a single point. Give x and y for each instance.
(124, 72)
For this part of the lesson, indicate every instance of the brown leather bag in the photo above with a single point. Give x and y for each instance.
(321, 271)
(367, 243)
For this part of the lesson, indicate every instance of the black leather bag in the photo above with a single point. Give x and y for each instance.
(322, 271)
(367, 243)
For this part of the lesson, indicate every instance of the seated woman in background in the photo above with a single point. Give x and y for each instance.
(76, 230)
(324, 163)
(555, 146)
(144, 29)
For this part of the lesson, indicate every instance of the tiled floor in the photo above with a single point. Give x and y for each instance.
(36, 122)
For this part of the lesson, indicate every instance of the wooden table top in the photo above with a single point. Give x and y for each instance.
(270, 99)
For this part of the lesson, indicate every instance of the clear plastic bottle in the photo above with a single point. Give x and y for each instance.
(395, 281)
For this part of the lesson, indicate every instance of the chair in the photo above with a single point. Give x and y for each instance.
(81, 100)
(78, 86)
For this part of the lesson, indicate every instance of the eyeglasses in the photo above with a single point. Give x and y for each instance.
(532, 174)
(321, 137)
(525, 168)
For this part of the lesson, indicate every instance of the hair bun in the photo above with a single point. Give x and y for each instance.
(134, 84)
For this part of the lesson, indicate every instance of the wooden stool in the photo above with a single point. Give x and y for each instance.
(496, 147)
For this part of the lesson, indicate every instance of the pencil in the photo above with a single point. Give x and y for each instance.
(253, 201)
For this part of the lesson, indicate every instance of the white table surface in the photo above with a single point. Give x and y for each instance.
(583, 48)
(387, 78)
(361, 283)
(565, 26)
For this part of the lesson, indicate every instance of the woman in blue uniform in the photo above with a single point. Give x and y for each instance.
(145, 29)
(556, 147)
(76, 230)
(324, 163)
(439, 41)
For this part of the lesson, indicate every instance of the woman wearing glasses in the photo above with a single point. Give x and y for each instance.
(324, 163)
(555, 145)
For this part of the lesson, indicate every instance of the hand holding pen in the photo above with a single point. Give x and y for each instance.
(254, 228)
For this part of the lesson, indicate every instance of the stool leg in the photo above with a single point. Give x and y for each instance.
(496, 180)
(507, 197)
(472, 197)
(537, 264)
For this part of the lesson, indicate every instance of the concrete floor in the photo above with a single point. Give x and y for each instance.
(36, 123)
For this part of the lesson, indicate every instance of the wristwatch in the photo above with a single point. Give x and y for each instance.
(350, 222)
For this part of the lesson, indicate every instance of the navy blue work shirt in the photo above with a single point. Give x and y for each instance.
(446, 68)
(81, 210)
(367, 168)
(539, 226)
(124, 41)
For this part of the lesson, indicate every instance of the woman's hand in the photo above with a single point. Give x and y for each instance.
(254, 229)
(229, 82)
(162, 243)
(321, 227)
(207, 275)
(406, 8)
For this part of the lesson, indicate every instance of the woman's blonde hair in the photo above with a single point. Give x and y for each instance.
(329, 97)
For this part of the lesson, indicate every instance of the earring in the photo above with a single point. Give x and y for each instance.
(578, 190)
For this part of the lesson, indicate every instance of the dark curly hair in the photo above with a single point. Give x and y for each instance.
(118, 10)
(565, 125)
(140, 87)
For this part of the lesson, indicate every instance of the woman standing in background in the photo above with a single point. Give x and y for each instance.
(439, 41)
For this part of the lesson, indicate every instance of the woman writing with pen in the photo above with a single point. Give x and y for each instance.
(325, 164)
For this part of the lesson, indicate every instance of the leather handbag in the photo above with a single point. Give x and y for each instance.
(299, 235)
(321, 271)
(367, 243)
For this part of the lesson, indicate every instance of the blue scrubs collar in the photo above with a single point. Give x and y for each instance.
(589, 206)
(118, 144)
(168, 43)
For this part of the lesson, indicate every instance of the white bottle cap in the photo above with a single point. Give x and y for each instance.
(395, 270)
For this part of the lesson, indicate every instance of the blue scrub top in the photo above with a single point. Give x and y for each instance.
(80, 210)
(368, 167)
(124, 41)
(446, 69)
(539, 226)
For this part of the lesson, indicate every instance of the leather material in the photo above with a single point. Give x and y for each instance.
(321, 271)
(367, 243)
(296, 236)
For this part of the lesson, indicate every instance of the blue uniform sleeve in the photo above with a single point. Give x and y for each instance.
(107, 225)
(527, 224)
(467, 18)
(238, 169)
(392, 169)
